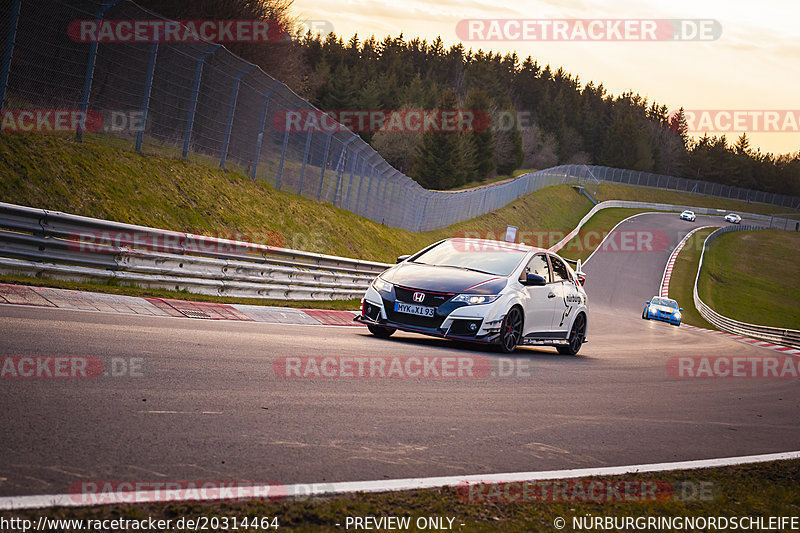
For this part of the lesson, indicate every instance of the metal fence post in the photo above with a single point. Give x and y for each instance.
(89, 76)
(352, 174)
(369, 190)
(360, 182)
(283, 158)
(305, 162)
(148, 86)
(260, 137)
(324, 164)
(8, 53)
(229, 127)
(198, 74)
(340, 168)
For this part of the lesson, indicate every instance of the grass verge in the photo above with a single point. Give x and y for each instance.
(757, 490)
(97, 178)
(612, 191)
(101, 178)
(681, 285)
(489, 181)
(596, 228)
(752, 276)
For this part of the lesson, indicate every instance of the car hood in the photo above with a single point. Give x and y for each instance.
(444, 279)
(664, 308)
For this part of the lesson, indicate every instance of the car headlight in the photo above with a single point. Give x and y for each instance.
(475, 299)
(381, 286)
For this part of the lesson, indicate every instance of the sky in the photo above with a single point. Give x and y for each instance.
(753, 66)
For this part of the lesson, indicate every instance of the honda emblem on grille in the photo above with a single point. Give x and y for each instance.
(419, 297)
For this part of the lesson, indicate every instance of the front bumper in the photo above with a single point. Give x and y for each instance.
(663, 317)
(474, 323)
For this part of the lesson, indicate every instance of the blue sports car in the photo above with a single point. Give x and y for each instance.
(662, 309)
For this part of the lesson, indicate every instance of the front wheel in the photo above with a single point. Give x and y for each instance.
(511, 330)
(380, 331)
(644, 314)
(576, 337)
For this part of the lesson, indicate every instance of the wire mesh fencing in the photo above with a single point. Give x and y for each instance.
(196, 100)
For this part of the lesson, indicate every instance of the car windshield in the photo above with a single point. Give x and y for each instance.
(665, 302)
(495, 258)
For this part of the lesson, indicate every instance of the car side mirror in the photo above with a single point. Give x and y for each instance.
(581, 280)
(680, 309)
(534, 280)
(402, 258)
(647, 302)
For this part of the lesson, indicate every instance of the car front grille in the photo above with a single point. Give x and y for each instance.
(434, 322)
(432, 299)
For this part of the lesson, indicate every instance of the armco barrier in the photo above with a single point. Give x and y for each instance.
(655, 207)
(789, 337)
(75, 248)
(63, 246)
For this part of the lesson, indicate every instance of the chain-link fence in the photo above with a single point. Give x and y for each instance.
(706, 188)
(199, 101)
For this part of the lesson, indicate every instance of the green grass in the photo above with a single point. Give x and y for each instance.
(752, 276)
(765, 489)
(645, 194)
(98, 178)
(489, 181)
(681, 285)
(104, 178)
(596, 228)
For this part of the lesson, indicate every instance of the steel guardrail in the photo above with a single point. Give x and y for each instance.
(784, 336)
(76, 248)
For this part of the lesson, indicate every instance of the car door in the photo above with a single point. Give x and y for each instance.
(539, 301)
(563, 286)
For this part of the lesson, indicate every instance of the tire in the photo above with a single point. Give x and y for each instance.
(644, 314)
(511, 330)
(576, 336)
(381, 331)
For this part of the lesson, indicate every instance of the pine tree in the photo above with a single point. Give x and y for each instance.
(438, 163)
(508, 149)
(743, 144)
(481, 137)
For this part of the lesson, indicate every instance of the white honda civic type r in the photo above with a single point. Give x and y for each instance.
(481, 291)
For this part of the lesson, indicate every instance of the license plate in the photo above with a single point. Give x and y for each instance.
(412, 309)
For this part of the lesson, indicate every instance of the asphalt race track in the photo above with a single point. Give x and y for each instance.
(208, 406)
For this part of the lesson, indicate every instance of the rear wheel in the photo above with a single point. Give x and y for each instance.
(511, 330)
(576, 337)
(381, 331)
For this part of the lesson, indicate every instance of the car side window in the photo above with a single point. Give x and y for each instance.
(537, 265)
(559, 270)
